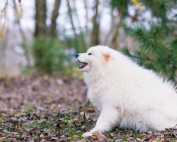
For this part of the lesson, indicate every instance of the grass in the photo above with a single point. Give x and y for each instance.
(68, 129)
(72, 132)
(56, 118)
(42, 125)
(31, 108)
(137, 135)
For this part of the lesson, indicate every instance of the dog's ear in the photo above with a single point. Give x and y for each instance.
(107, 56)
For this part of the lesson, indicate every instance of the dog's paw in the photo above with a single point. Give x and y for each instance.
(87, 134)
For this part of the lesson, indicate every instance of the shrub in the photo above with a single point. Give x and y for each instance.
(48, 54)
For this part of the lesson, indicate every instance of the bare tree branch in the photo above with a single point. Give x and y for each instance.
(23, 36)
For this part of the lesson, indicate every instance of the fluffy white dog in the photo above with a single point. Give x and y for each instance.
(126, 94)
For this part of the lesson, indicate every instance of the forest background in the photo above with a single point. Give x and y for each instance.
(45, 35)
(42, 94)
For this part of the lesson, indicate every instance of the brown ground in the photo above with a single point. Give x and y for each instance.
(50, 108)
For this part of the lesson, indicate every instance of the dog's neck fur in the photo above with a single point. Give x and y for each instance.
(90, 78)
(95, 75)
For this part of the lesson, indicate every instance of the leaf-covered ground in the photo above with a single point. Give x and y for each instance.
(42, 108)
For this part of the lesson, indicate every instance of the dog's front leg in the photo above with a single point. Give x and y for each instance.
(107, 120)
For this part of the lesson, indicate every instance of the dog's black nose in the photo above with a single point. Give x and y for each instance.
(77, 55)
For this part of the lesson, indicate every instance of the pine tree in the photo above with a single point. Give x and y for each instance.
(157, 44)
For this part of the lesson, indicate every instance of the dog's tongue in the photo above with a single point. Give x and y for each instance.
(83, 65)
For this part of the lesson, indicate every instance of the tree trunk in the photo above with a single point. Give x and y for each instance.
(86, 16)
(78, 39)
(52, 31)
(24, 46)
(77, 18)
(116, 33)
(96, 26)
(3, 46)
(40, 17)
(71, 18)
(109, 35)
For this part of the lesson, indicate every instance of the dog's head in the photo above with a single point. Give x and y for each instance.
(95, 57)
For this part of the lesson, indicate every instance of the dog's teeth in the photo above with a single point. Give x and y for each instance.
(83, 65)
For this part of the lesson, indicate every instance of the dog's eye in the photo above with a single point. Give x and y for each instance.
(89, 53)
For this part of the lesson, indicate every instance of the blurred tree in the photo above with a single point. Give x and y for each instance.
(86, 17)
(47, 51)
(4, 42)
(53, 24)
(45, 34)
(96, 25)
(3, 18)
(122, 9)
(17, 20)
(78, 39)
(157, 45)
(40, 17)
(71, 17)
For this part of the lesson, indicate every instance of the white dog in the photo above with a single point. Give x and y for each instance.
(126, 94)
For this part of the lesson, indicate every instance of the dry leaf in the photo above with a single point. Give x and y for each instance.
(61, 122)
(42, 135)
(2, 138)
(54, 138)
(43, 140)
(99, 136)
(81, 141)
(146, 137)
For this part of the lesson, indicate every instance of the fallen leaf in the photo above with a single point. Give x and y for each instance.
(146, 137)
(42, 135)
(24, 135)
(2, 138)
(43, 140)
(81, 141)
(60, 122)
(99, 136)
(54, 138)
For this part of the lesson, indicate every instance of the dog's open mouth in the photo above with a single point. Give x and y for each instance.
(83, 64)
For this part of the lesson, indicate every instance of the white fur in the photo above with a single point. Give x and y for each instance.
(126, 94)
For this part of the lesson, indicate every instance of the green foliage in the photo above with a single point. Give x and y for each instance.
(160, 8)
(52, 55)
(122, 5)
(78, 42)
(41, 125)
(155, 50)
(48, 54)
(135, 129)
(157, 45)
(119, 4)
